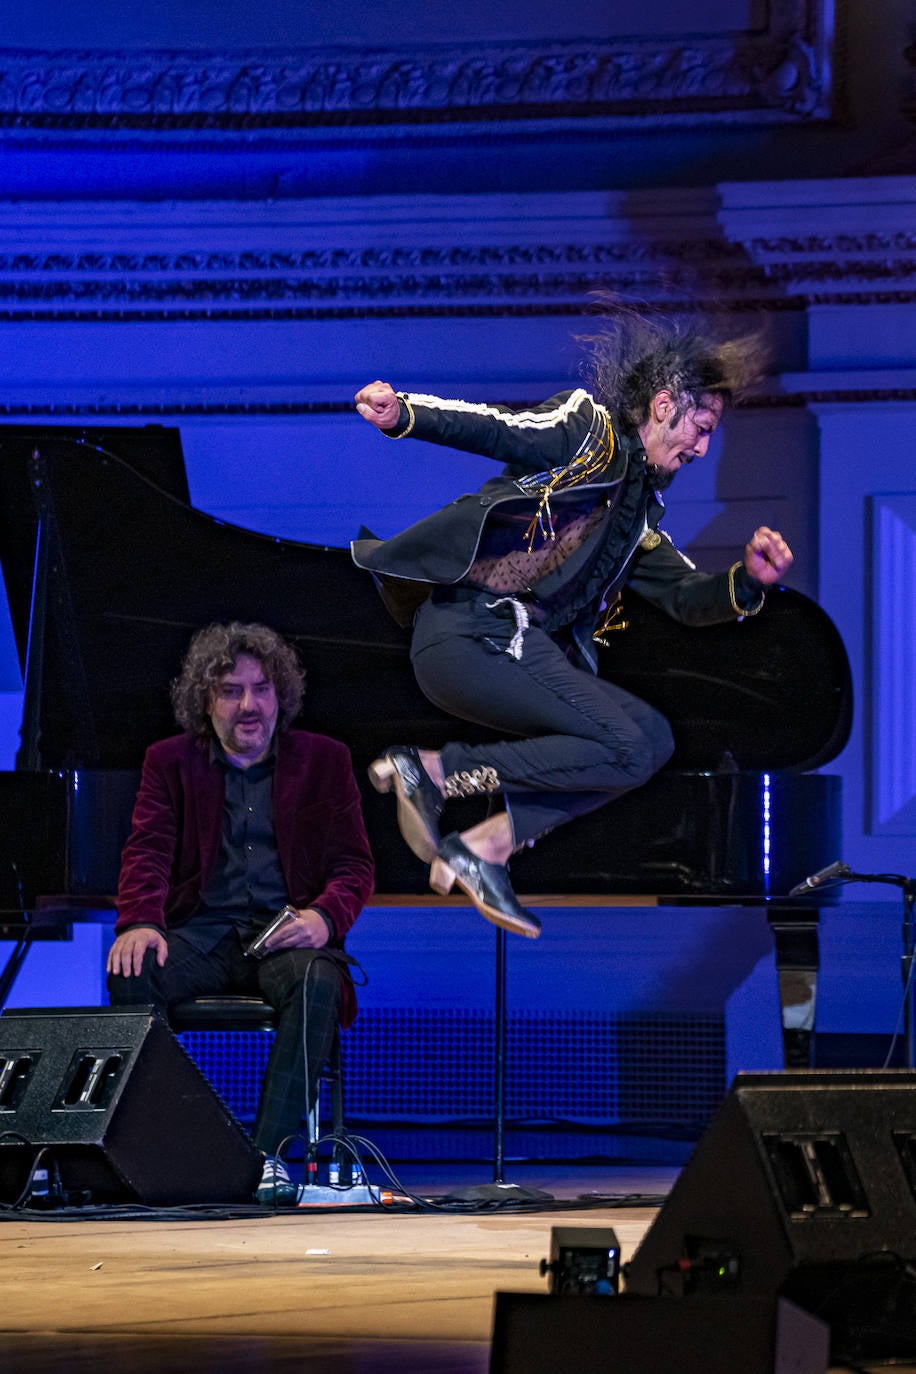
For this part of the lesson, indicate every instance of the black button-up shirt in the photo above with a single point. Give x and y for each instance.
(248, 876)
(247, 887)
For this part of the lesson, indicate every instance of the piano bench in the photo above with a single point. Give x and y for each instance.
(237, 1013)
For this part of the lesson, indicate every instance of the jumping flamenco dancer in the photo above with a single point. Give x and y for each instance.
(507, 589)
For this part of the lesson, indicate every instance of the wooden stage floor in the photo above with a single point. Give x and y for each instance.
(345, 1291)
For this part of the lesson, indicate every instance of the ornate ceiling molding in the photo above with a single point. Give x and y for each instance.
(828, 242)
(780, 72)
(343, 281)
(471, 279)
(516, 260)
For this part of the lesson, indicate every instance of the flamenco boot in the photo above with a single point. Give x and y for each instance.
(486, 884)
(419, 800)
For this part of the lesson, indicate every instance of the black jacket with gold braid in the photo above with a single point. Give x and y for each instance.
(568, 444)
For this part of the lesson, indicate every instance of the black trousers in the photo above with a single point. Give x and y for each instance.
(585, 740)
(302, 984)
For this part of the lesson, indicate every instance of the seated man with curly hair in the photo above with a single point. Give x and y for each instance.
(235, 818)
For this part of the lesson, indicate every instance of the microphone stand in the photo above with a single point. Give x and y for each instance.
(908, 891)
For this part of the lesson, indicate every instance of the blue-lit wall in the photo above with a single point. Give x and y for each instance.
(199, 228)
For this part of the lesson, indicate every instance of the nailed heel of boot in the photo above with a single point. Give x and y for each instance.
(381, 774)
(441, 877)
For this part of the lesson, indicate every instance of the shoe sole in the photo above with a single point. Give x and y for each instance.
(442, 879)
(384, 775)
(277, 1195)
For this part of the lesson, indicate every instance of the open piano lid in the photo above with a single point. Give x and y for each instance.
(133, 570)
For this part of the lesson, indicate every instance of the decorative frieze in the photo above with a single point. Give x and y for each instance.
(338, 283)
(464, 256)
(778, 72)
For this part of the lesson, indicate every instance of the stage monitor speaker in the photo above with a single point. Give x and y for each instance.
(804, 1184)
(538, 1334)
(122, 1110)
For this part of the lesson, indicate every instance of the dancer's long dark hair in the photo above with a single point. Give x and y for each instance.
(634, 354)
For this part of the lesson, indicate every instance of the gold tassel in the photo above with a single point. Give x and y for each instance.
(580, 470)
(613, 621)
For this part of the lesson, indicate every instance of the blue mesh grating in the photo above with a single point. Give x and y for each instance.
(426, 1065)
(234, 1062)
(436, 1066)
(562, 1066)
(672, 1068)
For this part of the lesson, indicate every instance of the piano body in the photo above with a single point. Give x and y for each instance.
(109, 570)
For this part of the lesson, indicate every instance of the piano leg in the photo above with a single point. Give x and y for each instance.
(795, 935)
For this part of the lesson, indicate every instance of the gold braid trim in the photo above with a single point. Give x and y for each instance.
(580, 470)
(740, 612)
(413, 419)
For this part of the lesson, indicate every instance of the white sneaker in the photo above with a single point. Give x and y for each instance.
(276, 1188)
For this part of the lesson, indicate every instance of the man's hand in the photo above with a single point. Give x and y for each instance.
(767, 556)
(308, 931)
(126, 954)
(378, 404)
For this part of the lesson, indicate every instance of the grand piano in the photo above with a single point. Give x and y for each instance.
(109, 570)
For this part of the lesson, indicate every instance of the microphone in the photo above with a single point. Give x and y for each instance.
(823, 875)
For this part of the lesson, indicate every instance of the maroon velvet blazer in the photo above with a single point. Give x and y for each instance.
(174, 842)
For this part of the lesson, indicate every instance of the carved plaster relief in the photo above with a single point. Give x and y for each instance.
(493, 256)
(779, 72)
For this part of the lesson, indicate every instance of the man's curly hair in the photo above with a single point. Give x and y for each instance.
(637, 354)
(214, 651)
